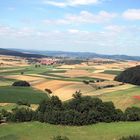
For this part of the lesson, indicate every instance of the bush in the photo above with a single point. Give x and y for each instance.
(21, 84)
(78, 111)
(48, 90)
(131, 138)
(132, 114)
(26, 103)
(60, 138)
(85, 82)
(21, 115)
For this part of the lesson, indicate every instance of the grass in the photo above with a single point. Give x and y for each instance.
(42, 131)
(6, 82)
(8, 107)
(123, 98)
(9, 94)
(28, 70)
(113, 72)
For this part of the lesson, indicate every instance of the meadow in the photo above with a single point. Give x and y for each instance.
(123, 98)
(42, 131)
(9, 94)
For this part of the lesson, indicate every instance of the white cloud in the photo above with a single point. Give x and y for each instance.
(66, 3)
(83, 17)
(14, 32)
(114, 28)
(132, 14)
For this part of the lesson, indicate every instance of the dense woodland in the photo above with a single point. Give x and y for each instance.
(131, 75)
(78, 111)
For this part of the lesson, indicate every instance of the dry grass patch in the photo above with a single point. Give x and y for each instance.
(76, 73)
(65, 93)
(103, 76)
(31, 79)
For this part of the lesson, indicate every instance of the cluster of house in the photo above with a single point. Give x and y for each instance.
(48, 61)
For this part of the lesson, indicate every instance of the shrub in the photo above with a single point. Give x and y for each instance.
(21, 84)
(26, 103)
(60, 138)
(21, 115)
(48, 90)
(131, 138)
(85, 82)
(132, 114)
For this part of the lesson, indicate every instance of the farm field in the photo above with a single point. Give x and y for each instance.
(10, 94)
(41, 131)
(64, 80)
(123, 98)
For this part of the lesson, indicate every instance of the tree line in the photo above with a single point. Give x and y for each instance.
(78, 111)
(130, 75)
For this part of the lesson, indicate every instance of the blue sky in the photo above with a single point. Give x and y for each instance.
(101, 26)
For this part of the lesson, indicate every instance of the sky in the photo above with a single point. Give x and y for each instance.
(100, 26)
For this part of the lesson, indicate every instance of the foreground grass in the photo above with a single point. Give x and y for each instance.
(42, 131)
(9, 94)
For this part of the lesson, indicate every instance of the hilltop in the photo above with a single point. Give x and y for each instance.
(130, 75)
(18, 53)
(81, 55)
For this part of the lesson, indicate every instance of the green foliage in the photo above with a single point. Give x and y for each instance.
(131, 75)
(23, 102)
(132, 114)
(21, 84)
(21, 115)
(131, 138)
(78, 111)
(60, 138)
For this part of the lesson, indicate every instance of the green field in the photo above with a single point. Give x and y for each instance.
(113, 72)
(6, 82)
(42, 131)
(9, 94)
(28, 70)
(123, 98)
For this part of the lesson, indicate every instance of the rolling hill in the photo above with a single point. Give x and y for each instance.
(130, 75)
(18, 53)
(81, 55)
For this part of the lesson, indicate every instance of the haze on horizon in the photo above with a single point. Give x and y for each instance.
(100, 26)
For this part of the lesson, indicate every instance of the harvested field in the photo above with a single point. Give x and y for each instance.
(76, 73)
(24, 78)
(53, 85)
(103, 76)
(106, 84)
(64, 89)
(110, 90)
(11, 61)
(123, 98)
(66, 92)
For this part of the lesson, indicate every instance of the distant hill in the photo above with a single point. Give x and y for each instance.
(131, 75)
(84, 55)
(18, 53)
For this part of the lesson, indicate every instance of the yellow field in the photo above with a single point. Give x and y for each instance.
(65, 89)
(8, 61)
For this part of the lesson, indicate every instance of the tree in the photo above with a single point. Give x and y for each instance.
(48, 90)
(132, 114)
(77, 95)
(21, 84)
